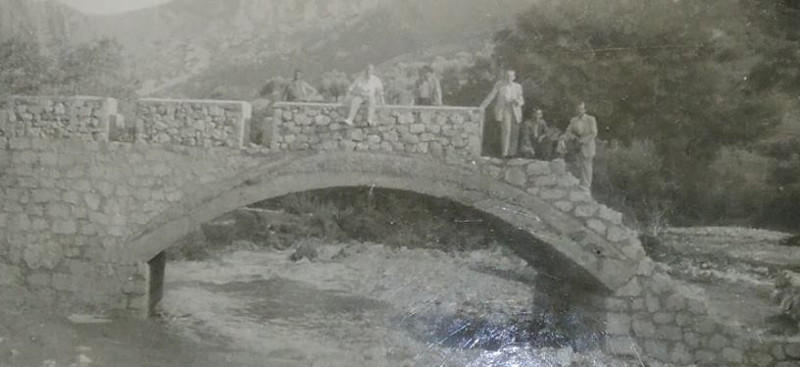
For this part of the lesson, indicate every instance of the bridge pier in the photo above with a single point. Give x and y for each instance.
(157, 270)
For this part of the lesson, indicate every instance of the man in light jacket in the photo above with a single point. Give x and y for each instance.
(508, 111)
(367, 87)
(582, 131)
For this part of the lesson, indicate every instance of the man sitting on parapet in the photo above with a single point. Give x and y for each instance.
(367, 87)
(298, 90)
(533, 135)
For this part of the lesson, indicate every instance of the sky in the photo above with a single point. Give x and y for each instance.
(110, 6)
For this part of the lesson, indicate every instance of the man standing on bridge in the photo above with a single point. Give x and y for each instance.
(367, 87)
(508, 111)
(582, 131)
(298, 90)
(429, 89)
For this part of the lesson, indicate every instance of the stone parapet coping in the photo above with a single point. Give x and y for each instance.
(382, 107)
(180, 100)
(82, 97)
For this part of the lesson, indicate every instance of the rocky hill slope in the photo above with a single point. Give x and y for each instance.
(187, 47)
(50, 23)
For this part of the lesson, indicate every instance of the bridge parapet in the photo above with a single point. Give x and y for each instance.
(202, 123)
(436, 131)
(80, 117)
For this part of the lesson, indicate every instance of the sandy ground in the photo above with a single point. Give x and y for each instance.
(33, 335)
(357, 305)
(735, 267)
(363, 305)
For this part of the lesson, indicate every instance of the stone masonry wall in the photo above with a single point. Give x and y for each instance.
(551, 182)
(400, 129)
(81, 118)
(66, 203)
(192, 122)
(669, 322)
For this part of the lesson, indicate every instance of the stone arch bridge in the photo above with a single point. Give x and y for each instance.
(91, 198)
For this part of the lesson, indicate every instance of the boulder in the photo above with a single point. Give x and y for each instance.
(305, 250)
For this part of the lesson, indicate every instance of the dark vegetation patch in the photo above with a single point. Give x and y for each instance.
(392, 218)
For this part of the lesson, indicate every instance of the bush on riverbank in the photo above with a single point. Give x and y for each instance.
(392, 218)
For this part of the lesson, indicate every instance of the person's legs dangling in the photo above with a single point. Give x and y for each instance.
(370, 113)
(355, 104)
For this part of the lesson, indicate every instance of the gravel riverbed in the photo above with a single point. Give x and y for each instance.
(363, 305)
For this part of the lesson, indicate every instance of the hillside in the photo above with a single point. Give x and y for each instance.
(191, 47)
(48, 22)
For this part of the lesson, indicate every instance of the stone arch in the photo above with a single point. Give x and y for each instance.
(526, 213)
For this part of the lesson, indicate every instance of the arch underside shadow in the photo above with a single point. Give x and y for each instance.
(540, 232)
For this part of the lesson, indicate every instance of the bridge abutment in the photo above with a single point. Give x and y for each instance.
(656, 318)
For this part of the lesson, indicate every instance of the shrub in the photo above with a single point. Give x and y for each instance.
(737, 185)
(91, 68)
(630, 178)
(394, 218)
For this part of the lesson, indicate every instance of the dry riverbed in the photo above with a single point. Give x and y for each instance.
(356, 305)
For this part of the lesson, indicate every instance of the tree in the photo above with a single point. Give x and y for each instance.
(93, 68)
(23, 69)
(678, 74)
(468, 86)
(273, 88)
(335, 84)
